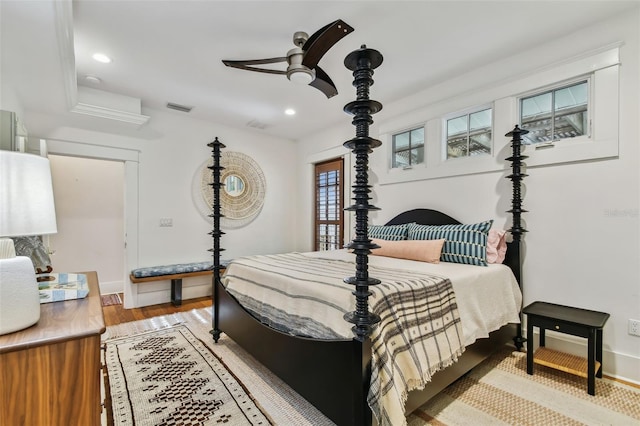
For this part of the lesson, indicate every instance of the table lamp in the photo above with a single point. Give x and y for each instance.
(26, 208)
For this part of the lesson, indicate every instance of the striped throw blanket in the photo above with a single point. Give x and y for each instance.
(419, 334)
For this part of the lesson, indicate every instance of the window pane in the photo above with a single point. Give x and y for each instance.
(535, 116)
(457, 126)
(457, 147)
(571, 111)
(480, 132)
(417, 137)
(417, 155)
(536, 106)
(401, 141)
(457, 137)
(570, 97)
(480, 142)
(480, 120)
(401, 159)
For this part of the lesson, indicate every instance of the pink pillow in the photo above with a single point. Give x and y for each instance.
(496, 245)
(420, 250)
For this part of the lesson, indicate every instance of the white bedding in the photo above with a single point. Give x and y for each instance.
(488, 297)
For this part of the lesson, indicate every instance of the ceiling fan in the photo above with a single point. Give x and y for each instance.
(303, 59)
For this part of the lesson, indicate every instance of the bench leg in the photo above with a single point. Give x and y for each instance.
(176, 292)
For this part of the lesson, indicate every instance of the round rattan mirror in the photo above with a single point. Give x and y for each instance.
(241, 196)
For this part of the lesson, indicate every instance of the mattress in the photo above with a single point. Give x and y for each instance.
(488, 297)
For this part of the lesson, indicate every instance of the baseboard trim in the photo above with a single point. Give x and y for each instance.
(109, 287)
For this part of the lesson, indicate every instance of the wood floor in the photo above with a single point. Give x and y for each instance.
(116, 314)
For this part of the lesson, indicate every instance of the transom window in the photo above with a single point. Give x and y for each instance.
(556, 114)
(408, 148)
(469, 134)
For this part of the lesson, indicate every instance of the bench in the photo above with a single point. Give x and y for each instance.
(175, 273)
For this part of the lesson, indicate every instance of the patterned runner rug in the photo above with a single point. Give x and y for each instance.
(169, 377)
(497, 392)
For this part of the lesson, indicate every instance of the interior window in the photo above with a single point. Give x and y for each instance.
(408, 148)
(469, 134)
(556, 114)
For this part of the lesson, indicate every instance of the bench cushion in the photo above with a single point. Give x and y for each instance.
(178, 268)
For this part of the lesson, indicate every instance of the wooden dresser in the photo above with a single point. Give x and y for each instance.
(50, 372)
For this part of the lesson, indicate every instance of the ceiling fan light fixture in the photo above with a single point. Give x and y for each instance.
(303, 59)
(301, 76)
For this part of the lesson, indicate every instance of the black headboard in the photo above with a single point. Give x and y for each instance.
(435, 217)
(423, 217)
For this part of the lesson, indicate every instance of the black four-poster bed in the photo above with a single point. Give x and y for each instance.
(334, 375)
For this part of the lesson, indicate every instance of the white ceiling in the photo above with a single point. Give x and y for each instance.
(171, 51)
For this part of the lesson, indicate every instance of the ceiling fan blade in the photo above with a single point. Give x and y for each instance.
(322, 40)
(323, 83)
(248, 64)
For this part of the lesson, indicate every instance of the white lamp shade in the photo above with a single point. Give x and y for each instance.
(26, 195)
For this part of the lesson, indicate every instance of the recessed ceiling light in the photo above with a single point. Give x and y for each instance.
(290, 111)
(101, 57)
(93, 79)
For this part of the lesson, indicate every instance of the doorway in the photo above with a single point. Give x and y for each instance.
(129, 158)
(329, 213)
(89, 198)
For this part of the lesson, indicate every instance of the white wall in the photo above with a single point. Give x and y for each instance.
(583, 245)
(171, 148)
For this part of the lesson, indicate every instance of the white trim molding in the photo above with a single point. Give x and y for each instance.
(63, 13)
(111, 114)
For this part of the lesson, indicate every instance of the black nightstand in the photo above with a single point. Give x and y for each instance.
(569, 320)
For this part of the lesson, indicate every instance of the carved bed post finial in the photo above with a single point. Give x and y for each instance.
(216, 233)
(517, 230)
(362, 62)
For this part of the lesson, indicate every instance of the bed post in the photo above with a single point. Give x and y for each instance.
(362, 62)
(216, 233)
(517, 230)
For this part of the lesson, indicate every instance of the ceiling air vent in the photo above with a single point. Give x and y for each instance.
(256, 124)
(179, 107)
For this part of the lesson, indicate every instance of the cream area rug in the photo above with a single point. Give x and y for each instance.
(170, 377)
(497, 392)
(281, 405)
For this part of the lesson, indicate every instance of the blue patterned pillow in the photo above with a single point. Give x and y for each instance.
(464, 243)
(388, 232)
